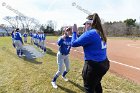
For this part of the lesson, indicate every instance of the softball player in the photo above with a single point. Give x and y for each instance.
(63, 56)
(96, 63)
(44, 42)
(34, 36)
(31, 35)
(13, 35)
(40, 39)
(18, 43)
(25, 37)
(37, 39)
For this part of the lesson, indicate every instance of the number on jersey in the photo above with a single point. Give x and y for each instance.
(103, 44)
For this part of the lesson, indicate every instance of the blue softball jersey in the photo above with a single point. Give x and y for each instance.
(93, 46)
(24, 35)
(34, 35)
(13, 34)
(43, 36)
(65, 45)
(18, 36)
(37, 36)
(31, 35)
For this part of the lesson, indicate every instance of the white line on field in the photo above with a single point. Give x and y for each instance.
(77, 51)
(125, 65)
(118, 63)
(133, 45)
(52, 43)
(136, 68)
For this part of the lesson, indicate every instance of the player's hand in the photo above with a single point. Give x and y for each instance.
(64, 36)
(74, 28)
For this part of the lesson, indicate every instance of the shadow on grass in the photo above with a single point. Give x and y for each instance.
(24, 58)
(66, 89)
(77, 85)
(31, 60)
(50, 52)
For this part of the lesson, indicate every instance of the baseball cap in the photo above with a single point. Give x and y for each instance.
(88, 21)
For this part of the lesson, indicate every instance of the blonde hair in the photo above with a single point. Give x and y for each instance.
(66, 29)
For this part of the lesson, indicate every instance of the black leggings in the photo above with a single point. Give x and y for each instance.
(92, 75)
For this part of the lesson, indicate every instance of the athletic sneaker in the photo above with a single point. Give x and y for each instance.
(19, 55)
(65, 78)
(54, 84)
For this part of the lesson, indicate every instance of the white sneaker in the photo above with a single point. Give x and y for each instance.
(54, 84)
(19, 56)
(65, 78)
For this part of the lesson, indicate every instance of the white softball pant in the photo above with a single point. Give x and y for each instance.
(25, 39)
(18, 45)
(61, 61)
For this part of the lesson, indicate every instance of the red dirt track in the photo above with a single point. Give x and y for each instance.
(124, 56)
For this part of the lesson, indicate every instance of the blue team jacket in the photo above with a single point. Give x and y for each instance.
(94, 47)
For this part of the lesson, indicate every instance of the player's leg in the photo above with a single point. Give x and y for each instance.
(44, 45)
(26, 39)
(20, 48)
(34, 41)
(13, 42)
(67, 67)
(31, 40)
(60, 61)
(17, 47)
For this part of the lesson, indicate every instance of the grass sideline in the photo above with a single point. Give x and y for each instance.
(34, 76)
(52, 37)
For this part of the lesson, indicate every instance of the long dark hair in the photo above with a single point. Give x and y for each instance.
(97, 25)
(17, 29)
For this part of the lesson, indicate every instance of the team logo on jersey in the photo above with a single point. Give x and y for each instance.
(67, 43)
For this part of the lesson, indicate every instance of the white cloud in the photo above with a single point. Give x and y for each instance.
(64, 13)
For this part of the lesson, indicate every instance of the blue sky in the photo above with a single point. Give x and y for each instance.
(64, 13)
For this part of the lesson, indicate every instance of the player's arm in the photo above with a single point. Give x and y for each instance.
(82, 40)
(20, 38)
(60, 41)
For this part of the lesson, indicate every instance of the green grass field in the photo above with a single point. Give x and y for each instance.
(19, 75)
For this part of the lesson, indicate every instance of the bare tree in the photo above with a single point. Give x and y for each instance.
(11, 21)
(115, 28)
(52, 24)
(23, 22)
